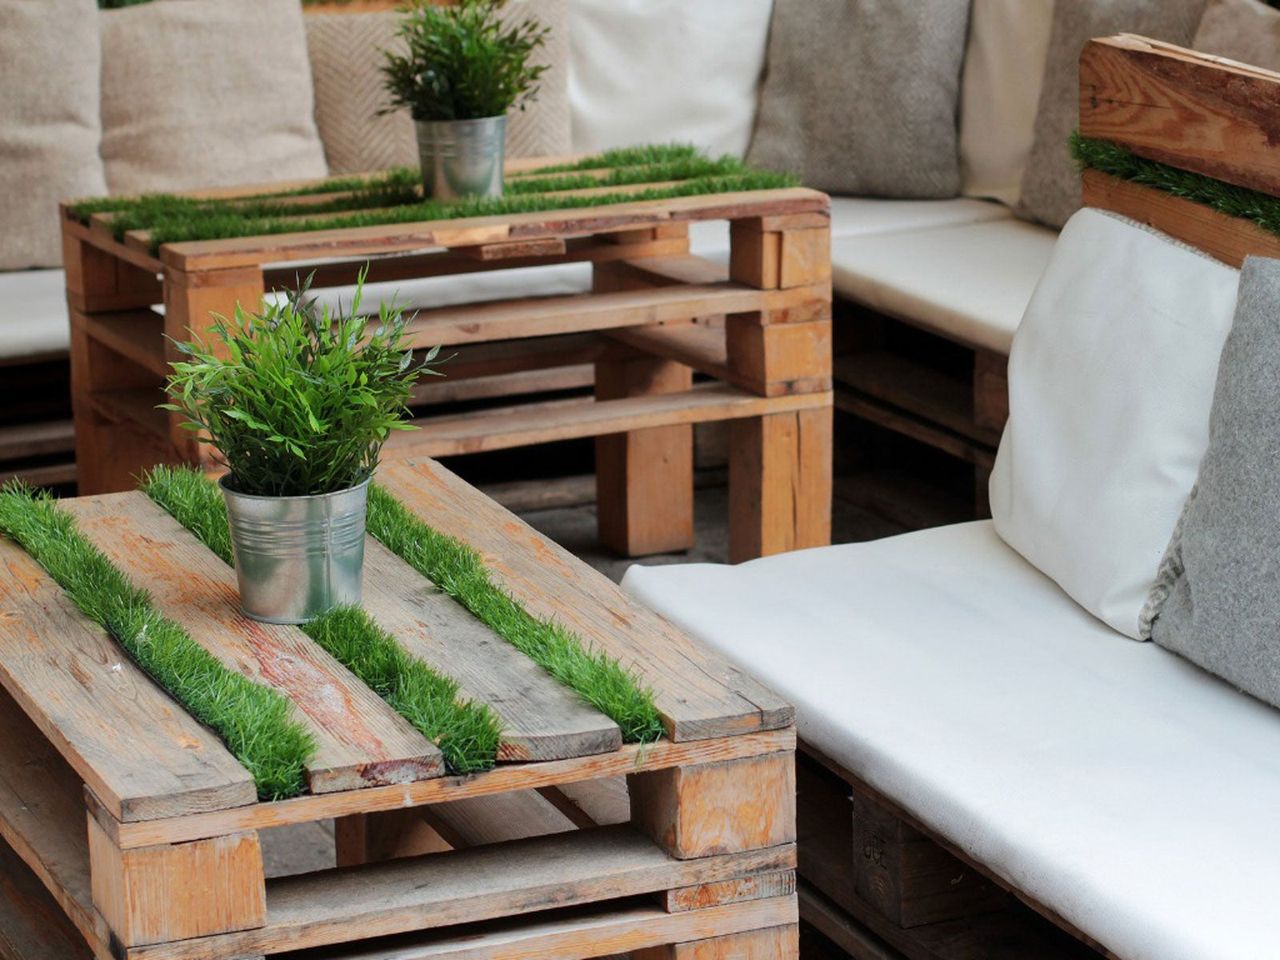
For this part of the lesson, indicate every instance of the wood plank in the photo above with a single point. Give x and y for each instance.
(838, 927)
(87, 696)
(696, 345)
(541, 718)
(360, 740)
(698, 693)
(435, 392)
(32, 925)
(46, 475)
(465, 886)
(775, 943)
(758, 887)
(916, 428)
(1189, 110)
(1229, 239)
(500, 818)
(37, 439)
(135, 334)
(544, 316)
(579, 934)
(553, 773)
(108, 244)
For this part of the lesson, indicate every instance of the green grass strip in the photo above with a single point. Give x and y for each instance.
(467, 733)
(460, 572)
(1253, 205)
(254, 721)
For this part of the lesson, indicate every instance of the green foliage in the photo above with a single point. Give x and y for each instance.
(467, 733)
(299, 401)
(460, 572)
(254, 721)
(463, 62)
(1260, 208)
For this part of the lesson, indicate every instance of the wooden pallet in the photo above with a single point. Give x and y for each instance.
(758, 333)
(169, 866)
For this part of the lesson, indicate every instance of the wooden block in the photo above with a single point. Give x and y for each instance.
(755, 255)
(1189, 110)
(730, 891)
(780, 478)
(157, 894)
(990, 390)
(804, 257)
(97, 280)
(515, 249)
(775, 943)
(700, 811)
(390, 835)
(775, 359)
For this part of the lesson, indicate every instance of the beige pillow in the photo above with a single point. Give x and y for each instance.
(999, 93)
(49, 61)
(1051, 186)
(1243, 30)
(204, 93)
(346, 56)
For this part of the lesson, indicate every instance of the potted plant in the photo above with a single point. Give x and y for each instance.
(464, 69)
(298, 402)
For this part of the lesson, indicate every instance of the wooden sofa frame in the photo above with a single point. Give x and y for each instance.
(874, 880)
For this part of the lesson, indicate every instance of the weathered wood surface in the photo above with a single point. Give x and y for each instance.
(1189, 110)
(768, 944)
(466, 886)
(88, 698)
(541, 718)
(758, 887)
(1225, 238)
(698, 693)
(553, 773)
(32, 925)
(360, 740)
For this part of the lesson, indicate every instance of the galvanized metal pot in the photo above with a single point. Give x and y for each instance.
(462, 158)
(297, 557)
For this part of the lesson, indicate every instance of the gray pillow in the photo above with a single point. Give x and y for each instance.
(1217, 599)
(1051, 184)
(860, 96)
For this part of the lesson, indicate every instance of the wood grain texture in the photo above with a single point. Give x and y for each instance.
(698, 694)
(758, 887)
(360, 740)
(32, 925)
(541, 718)
(1189, 110)
(776, 943)
(88, 697)
(775, 359)
(465, 886)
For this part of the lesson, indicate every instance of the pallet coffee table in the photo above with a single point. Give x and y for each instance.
(149, 834)
(757, 334)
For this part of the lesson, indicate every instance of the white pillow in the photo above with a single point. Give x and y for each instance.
(1111, 379)
(664, 71)
(1000, 93)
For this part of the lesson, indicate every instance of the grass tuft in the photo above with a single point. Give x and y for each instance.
(254, 721)
(1260, 208)
(467, 733)
(460, 572)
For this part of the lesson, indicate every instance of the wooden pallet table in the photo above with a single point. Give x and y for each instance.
(756, 334)
(147, 832)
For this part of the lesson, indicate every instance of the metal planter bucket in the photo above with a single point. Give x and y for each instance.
(297, 557)
(462, 158)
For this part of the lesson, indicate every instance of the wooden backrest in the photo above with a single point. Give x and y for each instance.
(1193, 111)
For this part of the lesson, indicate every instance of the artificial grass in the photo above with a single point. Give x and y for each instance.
(1105, 157)
(467, 733)
(253, 720)
(460, 572)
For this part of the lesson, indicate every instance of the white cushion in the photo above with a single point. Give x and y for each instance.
(1117, 784)
(1110, 383)
(969, 283)
(661, 71)
(34, 320)
(1000, 93)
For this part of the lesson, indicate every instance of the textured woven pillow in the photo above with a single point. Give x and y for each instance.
(204, 93)
(49, 61)
(1051, 186)
(1217, 600)
(860, 96)
(1244, 30)
(346, 57)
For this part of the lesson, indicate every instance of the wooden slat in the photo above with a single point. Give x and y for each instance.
(36, 439)
(1189, 110)
(434, 392)
(466, 886)
(541, 718)
(898, 421)
(105, 241)
(531, 423)
(632, 758)
(88, 697)
(543, 316)
(136, 334)
(1225, 238)
(698, 693)
(32, 924)
(47, 475)
(695, 345)
(360, 740)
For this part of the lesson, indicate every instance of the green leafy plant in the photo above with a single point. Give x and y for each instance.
(299, 400)
(463, 61)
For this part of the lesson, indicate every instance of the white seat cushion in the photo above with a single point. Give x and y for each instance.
(970, 283)
(1117, 784)
(33, 321)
